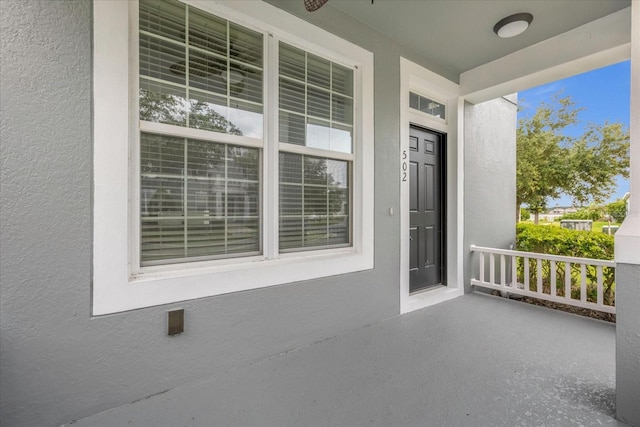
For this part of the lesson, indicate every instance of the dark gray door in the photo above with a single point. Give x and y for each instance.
(426, 208)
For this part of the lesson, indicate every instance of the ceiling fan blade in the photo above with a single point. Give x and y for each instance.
(312, 5)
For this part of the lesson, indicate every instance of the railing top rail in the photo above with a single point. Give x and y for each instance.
(558, 258)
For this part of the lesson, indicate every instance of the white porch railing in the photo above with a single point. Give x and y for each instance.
(584, 282)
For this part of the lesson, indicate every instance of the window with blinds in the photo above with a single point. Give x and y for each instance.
(315, 111)
(248, 161)
(199, 199)
(199, 71)
(314, 201)
(315, 101)
(200, 194)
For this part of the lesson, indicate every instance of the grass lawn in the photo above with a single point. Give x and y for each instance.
(597, 225)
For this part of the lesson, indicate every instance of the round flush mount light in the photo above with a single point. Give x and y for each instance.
(513, 25)
(233, 76)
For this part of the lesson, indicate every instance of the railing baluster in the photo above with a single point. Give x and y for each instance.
(567, 280)
(552, 278)
(583, 283)
(573, 280)
(526, 274)
(600, 287)
(492, 269)
(539, 273)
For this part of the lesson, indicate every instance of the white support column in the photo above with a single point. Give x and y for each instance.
(631, 226)
(627, 257)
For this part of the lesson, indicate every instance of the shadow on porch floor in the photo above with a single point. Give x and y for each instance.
(473, 361)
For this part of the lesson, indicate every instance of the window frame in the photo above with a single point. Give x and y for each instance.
(119, 283)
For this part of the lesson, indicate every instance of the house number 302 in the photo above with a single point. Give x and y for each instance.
(404, 166)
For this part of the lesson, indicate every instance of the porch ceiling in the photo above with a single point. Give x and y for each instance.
(436, 28)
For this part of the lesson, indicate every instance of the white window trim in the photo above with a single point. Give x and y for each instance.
(116, 285)
(417, 79)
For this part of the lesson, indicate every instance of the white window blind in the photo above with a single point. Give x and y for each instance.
(316, 101)
(211, 79)
(201, 198)
(314, 202)
(198, 199)
(316, 111)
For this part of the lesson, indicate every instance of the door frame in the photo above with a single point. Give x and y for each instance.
(417, 79)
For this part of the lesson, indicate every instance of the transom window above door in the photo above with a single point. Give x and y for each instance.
(428, 106)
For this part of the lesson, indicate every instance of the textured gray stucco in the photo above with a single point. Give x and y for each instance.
(628, 343)
(57, 363)
(489, 176)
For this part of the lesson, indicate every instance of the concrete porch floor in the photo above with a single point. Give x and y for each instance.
(473, 361)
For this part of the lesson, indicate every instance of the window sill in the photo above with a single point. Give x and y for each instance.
(225, 265)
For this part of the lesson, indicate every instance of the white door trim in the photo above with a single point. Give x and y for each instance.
(414, 78)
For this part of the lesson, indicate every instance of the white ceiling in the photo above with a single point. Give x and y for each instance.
(436, 28)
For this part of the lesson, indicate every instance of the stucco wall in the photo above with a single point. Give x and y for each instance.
(490, 176)
(59, 364)
(627, 256)
(628, 343)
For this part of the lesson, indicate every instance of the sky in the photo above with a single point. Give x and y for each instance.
(604, 93)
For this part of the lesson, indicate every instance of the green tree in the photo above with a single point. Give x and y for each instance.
(173, 110)
(593, 213)
(550, 163)
(541, 167)
(596, 159)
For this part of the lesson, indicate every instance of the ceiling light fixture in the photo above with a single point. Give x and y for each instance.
(233, 76)
(513, 25)
(312, 5)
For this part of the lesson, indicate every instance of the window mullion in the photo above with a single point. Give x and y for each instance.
(186, 141)
(306, 121)
(185, 200)
(135, 226)
(331, 95)
(302, 205)
(187, 60)
(271, 188)
(226, 199)
(228, 70)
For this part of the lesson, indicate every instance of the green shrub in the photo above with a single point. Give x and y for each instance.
(524, 214)
(559, 241)
(573, 243)
(618, 210)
